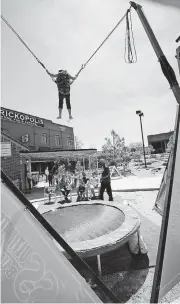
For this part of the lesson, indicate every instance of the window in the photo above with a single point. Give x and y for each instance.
(70, 142)
(44, 138)
(57, 140)
(25, 138)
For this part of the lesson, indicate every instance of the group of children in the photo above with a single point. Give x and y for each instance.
(86, 186)
(65, 181)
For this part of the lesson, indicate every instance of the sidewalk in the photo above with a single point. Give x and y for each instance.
(125, 184)
(136, 183)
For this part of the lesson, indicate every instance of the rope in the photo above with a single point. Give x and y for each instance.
(130, 54)
(83, 65)
(114, 28)
(22, 41)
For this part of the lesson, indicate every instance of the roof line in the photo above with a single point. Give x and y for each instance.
(60, 125)
(161, 133)
(16, 142)
(50, 151)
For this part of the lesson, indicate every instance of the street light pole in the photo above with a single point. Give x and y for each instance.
(113, 137)
(143, 141)
(140, 115)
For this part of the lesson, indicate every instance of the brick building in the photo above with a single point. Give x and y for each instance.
(10, 158)
(36, 133)
(159, 141)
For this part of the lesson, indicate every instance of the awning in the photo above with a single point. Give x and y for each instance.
(52, 155)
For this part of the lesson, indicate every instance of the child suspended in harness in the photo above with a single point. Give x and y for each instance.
(63, 81)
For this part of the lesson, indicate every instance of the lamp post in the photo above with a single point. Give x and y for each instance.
(140, 114)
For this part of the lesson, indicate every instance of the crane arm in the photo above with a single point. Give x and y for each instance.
(165, 66)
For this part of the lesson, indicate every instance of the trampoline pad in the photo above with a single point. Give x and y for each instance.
(85, 222)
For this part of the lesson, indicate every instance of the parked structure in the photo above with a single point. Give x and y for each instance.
(36, 133)
(159, 141)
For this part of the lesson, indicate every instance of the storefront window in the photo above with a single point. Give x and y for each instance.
(70, 142)
(44, 138)
(57, 140)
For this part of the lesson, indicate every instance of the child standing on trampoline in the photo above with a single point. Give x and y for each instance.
(63, 81)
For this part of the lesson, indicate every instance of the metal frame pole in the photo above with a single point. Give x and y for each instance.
(178, 57)
(165, 66)
(143, 141)
(99, 265)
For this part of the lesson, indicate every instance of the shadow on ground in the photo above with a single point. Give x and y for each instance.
(125, 274)
(122, 273)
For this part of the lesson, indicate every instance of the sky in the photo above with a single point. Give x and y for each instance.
(63, 35)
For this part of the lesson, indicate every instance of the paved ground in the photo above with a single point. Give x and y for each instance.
(139, 182)
(130, 277)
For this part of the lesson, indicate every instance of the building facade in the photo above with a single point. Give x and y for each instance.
(159, 141)
(37, 134)
(11, 162)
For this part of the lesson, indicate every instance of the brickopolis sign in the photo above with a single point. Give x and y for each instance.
(21, 117)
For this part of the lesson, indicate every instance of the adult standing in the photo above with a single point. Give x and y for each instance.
(47, 174)
(50, 178)
(61, 171)
(105, 181)
(29, 180)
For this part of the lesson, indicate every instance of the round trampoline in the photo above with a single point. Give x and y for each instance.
(93, 228)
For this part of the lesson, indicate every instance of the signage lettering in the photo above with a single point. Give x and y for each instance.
(5, 149)
(21, 117)
(10, 114)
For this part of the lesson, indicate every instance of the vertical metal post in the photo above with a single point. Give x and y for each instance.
(113, 144)
(99, 265)
(83, 164)
(89, 164)
(178, 57)
(143, 142)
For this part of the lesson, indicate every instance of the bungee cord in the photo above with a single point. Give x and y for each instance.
(130, 54)
(102, 43)
(22, 41)
(83, 65)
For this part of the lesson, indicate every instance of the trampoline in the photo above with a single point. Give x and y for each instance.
(94, 228)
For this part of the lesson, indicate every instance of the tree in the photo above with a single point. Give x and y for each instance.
(149, 149)
(137, 150)
(136, 146)
(78, 143)
(114, 149)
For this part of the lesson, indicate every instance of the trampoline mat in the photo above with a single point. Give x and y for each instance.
(85, 222)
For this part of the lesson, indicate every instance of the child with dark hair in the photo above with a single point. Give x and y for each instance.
(81, 190)
(63, 80)
(65, 188)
